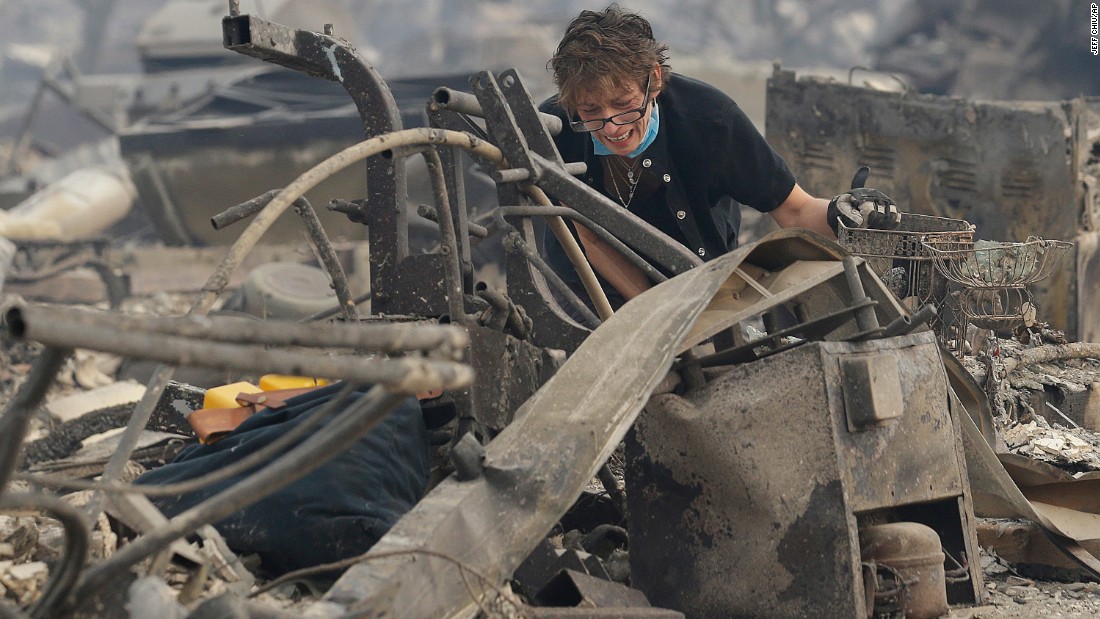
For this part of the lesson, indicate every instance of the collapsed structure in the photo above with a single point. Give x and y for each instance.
(894, 442)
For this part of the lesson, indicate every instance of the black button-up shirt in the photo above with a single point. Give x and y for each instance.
(708, 157)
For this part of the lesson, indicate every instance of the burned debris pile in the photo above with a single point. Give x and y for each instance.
(794, 431)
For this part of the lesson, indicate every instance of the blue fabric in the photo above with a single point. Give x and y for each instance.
(336, 512)
(650, 135)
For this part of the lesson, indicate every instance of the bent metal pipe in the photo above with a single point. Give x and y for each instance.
(405, 374)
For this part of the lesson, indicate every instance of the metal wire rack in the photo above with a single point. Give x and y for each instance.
(993, 277)
(904, 263)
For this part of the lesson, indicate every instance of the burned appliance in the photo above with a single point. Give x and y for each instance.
(750, 491)
(748, 496)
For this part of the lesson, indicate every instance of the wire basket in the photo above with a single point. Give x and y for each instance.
(994, 264)
(997, 308)
(905, 241)
(900, 257)
(993, 277)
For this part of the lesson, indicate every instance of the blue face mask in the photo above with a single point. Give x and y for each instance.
(650, 135)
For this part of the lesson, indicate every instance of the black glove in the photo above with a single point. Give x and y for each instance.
(863, 208)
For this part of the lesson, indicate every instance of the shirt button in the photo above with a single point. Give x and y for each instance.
(668, 178)
(702, 252)
(646, 163)
(681, 214)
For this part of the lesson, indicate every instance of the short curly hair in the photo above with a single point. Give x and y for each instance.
(604, 51)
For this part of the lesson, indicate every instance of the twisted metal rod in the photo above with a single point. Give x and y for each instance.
(13, 423)
(317, 235)
(404, 374)
(35, 321)
(288, 468)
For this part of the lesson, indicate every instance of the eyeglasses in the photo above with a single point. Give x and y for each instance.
(622, 118)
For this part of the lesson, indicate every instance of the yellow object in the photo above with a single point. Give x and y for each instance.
(275, 382)
(225, 396)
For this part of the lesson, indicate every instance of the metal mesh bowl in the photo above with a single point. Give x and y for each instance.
(994, 264)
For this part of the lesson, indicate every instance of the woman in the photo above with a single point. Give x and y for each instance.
(675, 151)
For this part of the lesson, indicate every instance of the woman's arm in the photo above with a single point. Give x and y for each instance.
(802, 210)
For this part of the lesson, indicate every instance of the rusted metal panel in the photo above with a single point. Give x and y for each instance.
(912, 458)
(746, 495)
(506, 372)
(1010, 168)
(1088, 292)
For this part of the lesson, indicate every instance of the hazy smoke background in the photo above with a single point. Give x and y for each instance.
(987, 49)
(1044, 44)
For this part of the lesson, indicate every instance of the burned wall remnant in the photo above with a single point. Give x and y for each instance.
(1013, 169)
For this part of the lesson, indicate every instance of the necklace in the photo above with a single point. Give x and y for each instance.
(630, 169)
(631, 181)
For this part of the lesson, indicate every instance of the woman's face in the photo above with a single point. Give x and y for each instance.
(619, 139)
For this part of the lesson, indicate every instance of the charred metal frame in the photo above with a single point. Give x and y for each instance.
(330, 58)
(551, 326)
(524, 136)
(37, 261)
(415, 285)
(441, 284)
(198, 341)
(316, 234)
(834, 304)
(491, 518)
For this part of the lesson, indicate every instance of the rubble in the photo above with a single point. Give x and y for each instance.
(1000, 595)
(527, 407)
(1063, 448)
(113, 393)
(23, 582)
(1061, 390)
(1013, 596)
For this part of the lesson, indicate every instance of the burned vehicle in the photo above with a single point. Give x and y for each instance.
(867, 507)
